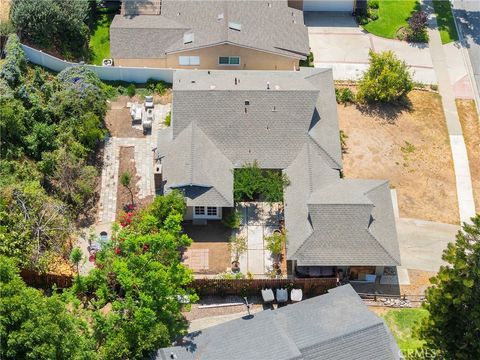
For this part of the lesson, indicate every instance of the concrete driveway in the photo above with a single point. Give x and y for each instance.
(422, 243)
(339, 43)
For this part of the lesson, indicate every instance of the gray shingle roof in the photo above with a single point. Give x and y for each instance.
(282, 29)
(274, 125)
(352, 224)
(333, 326)
(290, 126)
(190, 168)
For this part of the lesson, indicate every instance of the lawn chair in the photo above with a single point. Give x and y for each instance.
(296, 295)
(282, 296)
(267, 296)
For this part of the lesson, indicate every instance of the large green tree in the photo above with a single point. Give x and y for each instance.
(386, 80)
(138, 288)
(453, 327)
(34, 326)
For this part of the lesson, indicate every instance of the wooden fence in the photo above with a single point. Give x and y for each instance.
(45, 281)
(244, 287)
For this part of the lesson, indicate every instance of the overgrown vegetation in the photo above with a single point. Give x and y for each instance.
(252, 184)
(403, 324)
(126, 308)
(50, 128)
(58, 25)
(344, 96)
(386, 80)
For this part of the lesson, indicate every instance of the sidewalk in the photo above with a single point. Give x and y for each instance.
(459, 152)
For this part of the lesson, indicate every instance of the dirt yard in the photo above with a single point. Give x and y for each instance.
(471, 132)
(127, 163)
(409, 146)
(208, 257)
(119, 121)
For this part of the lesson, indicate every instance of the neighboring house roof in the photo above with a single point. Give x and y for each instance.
(337, 325)
(154, 36)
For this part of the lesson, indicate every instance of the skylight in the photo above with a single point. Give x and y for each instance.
(188, 38)
(234, 26)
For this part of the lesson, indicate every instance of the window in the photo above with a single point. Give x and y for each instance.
(229, 60)
(189, 60)
(211, 211)
(199, 210)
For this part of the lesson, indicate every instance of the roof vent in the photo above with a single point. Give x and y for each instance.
(269, 4)
(193, 81)
(208, 72)
(234, 26)
(274, 108)
(188, 38)
(178, 13)
(236, 81)
(247, 102)
(277, 87)
(268, 85)
(220, 16)
(173, 356)
(212, 87)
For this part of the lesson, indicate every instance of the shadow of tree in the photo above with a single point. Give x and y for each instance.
(388, 112)
(469, 22)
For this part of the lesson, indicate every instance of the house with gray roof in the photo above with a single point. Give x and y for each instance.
(337, 325)
(209, 34)
(287, 121)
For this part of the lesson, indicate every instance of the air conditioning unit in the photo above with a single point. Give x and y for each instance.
(107, 62)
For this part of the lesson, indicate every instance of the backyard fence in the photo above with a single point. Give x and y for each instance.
(109, 73)
(45, 281)
(244, 287)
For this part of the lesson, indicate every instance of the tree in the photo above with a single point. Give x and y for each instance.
(453, 326)
(35, 225)
(126, 180)
(34, 326)
(386, 80)
(276, 242)
(238, 245)
(75, 257)
(139, 286)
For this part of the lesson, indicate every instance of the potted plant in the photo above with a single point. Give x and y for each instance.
(274, 244)
(238, 246)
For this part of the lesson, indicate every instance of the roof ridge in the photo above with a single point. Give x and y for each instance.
(383, 247)
(192, 152)
(309, 164)
(377, 186)
(324, 151)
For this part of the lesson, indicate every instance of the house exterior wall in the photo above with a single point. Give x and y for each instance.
(249, 59)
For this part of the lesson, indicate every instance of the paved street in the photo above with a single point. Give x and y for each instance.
(467, 13)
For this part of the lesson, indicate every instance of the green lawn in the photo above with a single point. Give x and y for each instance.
(100, 37)
(401, 323)
(446, 24)
(392, 15)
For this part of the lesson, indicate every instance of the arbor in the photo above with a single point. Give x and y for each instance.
(33, 326)
(386, 80)
(453, 326)
(139, 286)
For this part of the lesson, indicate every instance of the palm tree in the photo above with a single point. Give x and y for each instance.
(126, 180)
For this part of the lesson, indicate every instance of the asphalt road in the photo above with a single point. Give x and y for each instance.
(467, 13)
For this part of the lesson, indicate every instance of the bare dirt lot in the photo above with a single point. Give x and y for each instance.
(127, 164)
(409, 146)
(471, 133)
(119, 121)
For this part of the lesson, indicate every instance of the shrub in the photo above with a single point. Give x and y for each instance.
(386, 80)
(168, 119)
(233, 220)
(417, 27)
(344, 96)
(373, 4)
(363, 19)
(275, 242)
(308, 62)
(15, 61)
(131, 90)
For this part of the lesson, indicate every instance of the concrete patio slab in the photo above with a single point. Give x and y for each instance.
(256, 262)
(255, 237)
